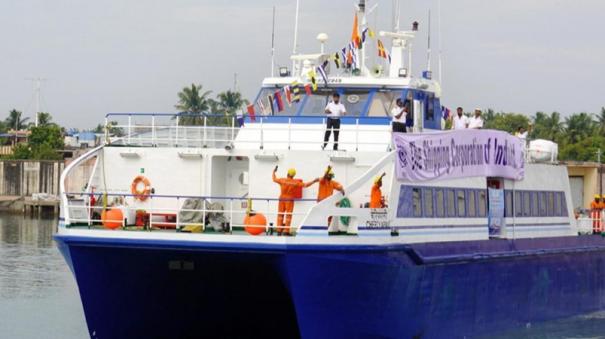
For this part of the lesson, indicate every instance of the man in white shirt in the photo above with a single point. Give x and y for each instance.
(459, 121)
(476, 121)
(334, 110)
(399, 114)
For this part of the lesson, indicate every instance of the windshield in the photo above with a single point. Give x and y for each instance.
(381, 101)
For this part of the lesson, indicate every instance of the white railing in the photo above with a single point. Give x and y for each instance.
(82, 213)
(259, 133)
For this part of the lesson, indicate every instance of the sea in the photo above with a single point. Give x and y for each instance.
(39, 296)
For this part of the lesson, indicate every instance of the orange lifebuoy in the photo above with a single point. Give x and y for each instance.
(141, 193)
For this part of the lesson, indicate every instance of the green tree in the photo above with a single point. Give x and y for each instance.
(508, 122)
(549, 127)
(192, 103)
(228, 103)
(578, 127)
(21, 152)
(601, 121)
(16, 120)
(49, 135)
(44, 118)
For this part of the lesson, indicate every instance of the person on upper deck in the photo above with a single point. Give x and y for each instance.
(287, 196)
(476, 122)
(376, 198)
(334, 109)
(399, 114)
(521, 133)
(459, 121)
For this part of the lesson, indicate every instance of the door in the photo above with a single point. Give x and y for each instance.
(577, 191)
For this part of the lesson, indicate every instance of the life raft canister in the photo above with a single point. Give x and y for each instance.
(140, 188)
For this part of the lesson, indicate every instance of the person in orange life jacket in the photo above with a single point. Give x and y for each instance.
(376, 199)
(597, 203)
(334, 110)
(327, 186)
(285, 206)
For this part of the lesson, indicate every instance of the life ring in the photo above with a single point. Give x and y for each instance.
(141, 193)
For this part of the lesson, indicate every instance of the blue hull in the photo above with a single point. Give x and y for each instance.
(156, 289)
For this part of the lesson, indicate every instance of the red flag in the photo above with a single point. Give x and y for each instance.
(278, 101)
(251, 112)
(288, 94)
(308, 89)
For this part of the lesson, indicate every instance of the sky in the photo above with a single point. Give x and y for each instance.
(134, 56)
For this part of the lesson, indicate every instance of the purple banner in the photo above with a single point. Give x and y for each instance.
(457, 154)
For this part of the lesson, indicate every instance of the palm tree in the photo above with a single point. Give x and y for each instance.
(601, 121)
(547, 126)
(44, 119)
(229, 103)
(192, 103)
(15, 120)
(579, 126)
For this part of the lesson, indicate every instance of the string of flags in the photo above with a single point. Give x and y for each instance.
(347, 57)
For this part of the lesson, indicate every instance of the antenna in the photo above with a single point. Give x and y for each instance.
(395, 18)
(295, 48)
(439, 41)
(37, 83)
(428, 51)
(273, 45)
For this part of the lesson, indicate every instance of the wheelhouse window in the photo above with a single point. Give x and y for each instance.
(382, 103)
(550, 203)
(288, 109)
(355, 101)
(429, 114)
(315, 104)
(543, 205)
(535, 204)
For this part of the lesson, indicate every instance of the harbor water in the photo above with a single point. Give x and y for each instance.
(39, 297)
(38, 294)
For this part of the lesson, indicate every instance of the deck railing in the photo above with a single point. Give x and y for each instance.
(167, 130)
(82, 213)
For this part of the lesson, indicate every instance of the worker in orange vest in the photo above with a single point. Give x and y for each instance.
(287, 196)
(327, 185)
(596, 208)
(376, 199)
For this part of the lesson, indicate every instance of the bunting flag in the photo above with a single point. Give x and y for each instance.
(382, 52)
(288, 94)
(270, 97)
(363, 34)
(313, 77)
(261, 106)
(371, 33)
(336, 59)
(343, 52)
(352, 55)
(295, 92)
(355, 38)
(445, 112)
(251, 112)
(322, 71)
(308, 89)
(278, 101)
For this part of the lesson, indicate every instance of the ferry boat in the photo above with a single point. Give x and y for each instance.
(476, 234)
